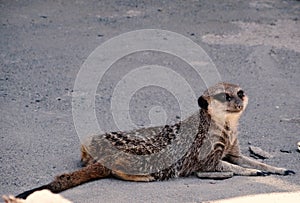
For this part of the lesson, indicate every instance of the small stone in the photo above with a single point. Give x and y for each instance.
(258, 153)
(285, 151)
(298, 144)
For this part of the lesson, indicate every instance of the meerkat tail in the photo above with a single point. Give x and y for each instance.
(68, 180)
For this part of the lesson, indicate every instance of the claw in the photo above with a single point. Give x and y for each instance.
(289, 172)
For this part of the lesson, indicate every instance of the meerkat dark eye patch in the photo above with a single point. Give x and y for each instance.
(241, 94)
(222, 97)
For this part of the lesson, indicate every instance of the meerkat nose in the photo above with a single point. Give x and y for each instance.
(239, 105)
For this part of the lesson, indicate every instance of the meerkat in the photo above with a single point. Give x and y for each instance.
(213, 153)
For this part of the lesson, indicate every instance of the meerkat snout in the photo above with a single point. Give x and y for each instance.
(239, 104)
(236, 103)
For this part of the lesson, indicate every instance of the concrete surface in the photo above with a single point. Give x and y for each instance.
(43, 45)
(291, 197)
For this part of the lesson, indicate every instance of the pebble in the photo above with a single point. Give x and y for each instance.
(257, 152)
(285, 151)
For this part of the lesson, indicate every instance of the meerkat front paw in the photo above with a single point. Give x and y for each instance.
(263, 173)
(282, 171)
(288, 172)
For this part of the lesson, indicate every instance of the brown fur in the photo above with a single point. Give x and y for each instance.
(213, 153)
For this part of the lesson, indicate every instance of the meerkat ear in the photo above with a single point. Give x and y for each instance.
(202, 103)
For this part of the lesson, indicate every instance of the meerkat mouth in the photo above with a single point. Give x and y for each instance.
(234, 111)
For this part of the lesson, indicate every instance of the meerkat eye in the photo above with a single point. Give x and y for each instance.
(241, 94)
(223, 97)
(228, 98)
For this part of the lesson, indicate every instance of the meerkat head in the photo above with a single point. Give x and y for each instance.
(224, 100)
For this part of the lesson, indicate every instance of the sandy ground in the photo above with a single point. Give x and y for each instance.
(44, 44)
